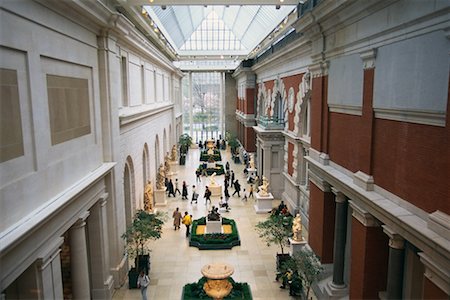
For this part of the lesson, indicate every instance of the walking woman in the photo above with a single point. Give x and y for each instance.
(184, 192)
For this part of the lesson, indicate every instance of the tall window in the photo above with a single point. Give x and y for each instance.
(205, 106)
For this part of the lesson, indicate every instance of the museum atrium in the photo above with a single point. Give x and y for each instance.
(319, 129)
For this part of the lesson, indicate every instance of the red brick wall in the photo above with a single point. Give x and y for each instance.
(321, 223)
(319, 114)
(409, 160)
(249, 101)
(292, 81)
(290, 166)
(345, 136)
(369, 261)
(431, 291)
(250, 139)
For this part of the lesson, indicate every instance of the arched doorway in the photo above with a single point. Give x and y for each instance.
(165, 142)
(145, 168)
(128, 190)
(157, 158)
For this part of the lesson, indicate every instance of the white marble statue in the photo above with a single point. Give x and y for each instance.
(212, 179)
(252, 162)
(297, 228)
(264, 187)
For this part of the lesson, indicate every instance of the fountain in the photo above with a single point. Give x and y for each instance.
(218, 286)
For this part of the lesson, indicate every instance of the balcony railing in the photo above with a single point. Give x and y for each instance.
(271, 122)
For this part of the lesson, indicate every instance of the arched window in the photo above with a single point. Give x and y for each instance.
(128, 190)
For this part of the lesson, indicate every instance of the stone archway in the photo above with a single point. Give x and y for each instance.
(128, 190)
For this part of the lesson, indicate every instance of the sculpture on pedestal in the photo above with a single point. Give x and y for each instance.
(160, 177)
(214, 214)
(252, 162)
(174, 153)
(212, 179)
(148, 196)
(166, 164)
(297, 228)
(264, 187)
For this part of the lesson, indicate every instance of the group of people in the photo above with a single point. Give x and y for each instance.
(178, 219)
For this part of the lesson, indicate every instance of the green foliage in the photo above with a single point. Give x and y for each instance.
(276, 230)
(305, 263)
(214, 238)
(241, 290)
(145, 226)
(185, 142)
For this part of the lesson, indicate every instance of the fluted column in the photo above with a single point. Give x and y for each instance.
(79, 259)
(340, 237)
(394, 288)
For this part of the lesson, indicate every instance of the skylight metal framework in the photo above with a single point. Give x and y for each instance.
(218, 30)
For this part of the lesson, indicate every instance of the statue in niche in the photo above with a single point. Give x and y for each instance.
(160, 177)
(297, 228)
(148, 196)
(305, 85)
(174, 153)
(264, 187)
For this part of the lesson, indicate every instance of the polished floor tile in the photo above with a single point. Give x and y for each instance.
(174, 263)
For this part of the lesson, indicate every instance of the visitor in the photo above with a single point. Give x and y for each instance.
(232, 177)
(176, 218)
(227, 166)
(207, 195)
(281, 206)
(187, 221)
(177, 187)
(194, 194)
(250, 191)
(170, 188)
(237, 188)
(184, 192)
(226, 194)
(197, 174)
(200, 145)
(245, 196)
(142, 283)
(224, 203)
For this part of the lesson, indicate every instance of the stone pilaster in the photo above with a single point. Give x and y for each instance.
(79, 259)
(48, 269)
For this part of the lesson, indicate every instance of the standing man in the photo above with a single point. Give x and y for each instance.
(237, 188)
(176, 218)
(142, 283)
(207, 195)
(187, 221)
(232, 177)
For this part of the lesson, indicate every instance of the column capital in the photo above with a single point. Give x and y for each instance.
(47, 255)
(396, 241)
(103, 199)
(319, 69)
(319, 182)
(368, 57)
(340, 196)
(363, 216)
(81, 220)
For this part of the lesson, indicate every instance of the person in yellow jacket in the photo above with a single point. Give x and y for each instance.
(187, 220)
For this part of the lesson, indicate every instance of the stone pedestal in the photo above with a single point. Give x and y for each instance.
(213, 226)
(296, 246)
(263, 203)
(160, 197)
(216, 190)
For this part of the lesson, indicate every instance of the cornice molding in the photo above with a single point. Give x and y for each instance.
(144, 112)
(363, 216)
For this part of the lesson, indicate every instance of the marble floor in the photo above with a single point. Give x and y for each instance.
(174, 263)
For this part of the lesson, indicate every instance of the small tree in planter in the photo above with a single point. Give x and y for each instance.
(308, 265)
(276, 230)
(185, 142)
(145, 226)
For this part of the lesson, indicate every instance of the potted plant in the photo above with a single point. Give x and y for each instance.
(276, 230)
(145, 226)
(307, 264)
(185, 142)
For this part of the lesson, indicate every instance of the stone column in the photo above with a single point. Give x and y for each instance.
(340, 237)
(337, 288)
(48, 271)
(79, 259)
(394, 288)
(267, 158)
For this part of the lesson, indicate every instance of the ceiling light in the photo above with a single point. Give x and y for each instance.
(151, 1)
(281, 1)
